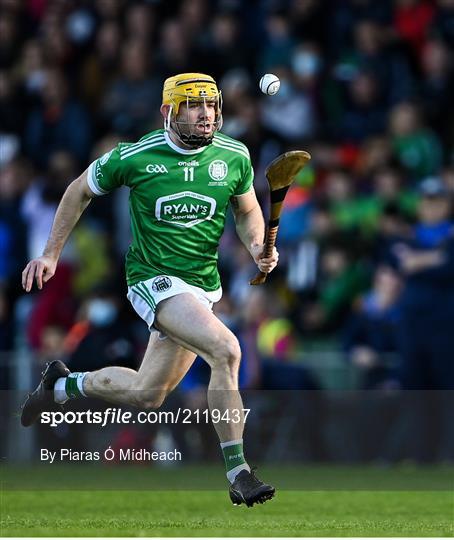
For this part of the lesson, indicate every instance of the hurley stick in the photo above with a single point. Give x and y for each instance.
(280, 174)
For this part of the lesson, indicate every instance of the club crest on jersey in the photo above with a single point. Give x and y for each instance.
(184, 209)
(161, 284)
(218, 169)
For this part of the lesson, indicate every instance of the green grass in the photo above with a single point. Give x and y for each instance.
(209, 513)
(83, 509)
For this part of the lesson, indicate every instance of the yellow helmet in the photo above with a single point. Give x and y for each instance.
(184, 88)
(179, 88)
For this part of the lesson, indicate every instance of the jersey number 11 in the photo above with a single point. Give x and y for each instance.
(188, 174)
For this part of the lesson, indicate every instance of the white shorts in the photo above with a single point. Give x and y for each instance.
(146, 295)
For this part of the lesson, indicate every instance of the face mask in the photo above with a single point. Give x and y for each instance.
(306, 64)
(101, 312)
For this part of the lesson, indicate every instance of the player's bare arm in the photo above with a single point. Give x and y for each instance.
(250, 227)
(74, 201)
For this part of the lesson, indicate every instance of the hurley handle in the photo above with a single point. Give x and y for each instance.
(280, 174)
(267, 252)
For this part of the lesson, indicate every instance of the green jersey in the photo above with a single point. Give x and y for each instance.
(178, 202)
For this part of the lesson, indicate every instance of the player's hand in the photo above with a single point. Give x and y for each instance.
(265, 265)
(41, 270)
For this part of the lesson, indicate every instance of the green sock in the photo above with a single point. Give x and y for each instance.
(234, 458)
(74, 385)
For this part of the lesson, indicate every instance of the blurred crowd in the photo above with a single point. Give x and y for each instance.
(366, 240)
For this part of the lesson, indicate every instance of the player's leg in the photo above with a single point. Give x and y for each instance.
(195, 327)
(188, 322)
(163, 366)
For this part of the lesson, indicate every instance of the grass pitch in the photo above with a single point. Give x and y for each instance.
(112, 512)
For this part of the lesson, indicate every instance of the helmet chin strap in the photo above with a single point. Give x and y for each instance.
(191, 140)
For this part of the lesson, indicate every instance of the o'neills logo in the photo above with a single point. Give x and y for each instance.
(193, 163)
(185, 209)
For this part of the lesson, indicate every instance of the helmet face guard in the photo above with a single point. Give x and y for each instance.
(190, 88)
(185, 130)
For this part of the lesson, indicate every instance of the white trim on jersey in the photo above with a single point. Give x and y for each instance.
(157, 142)
(229, 142)
(140, 144)
(231, 148)
(92, 182)
(173, 146)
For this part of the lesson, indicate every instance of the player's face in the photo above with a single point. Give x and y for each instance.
(197, 117)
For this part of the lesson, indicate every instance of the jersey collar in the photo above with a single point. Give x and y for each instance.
(173, 146)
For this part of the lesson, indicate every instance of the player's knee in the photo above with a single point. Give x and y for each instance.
(229, 354)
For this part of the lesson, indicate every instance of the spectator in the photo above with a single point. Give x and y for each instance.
(417, 149)
(267, 338)
(9, 39)
(12, 119)
(223, 50)
(173, 56)
(342, 278)
(364, 116)
(443, 23)
(303, 259)
(52, 344)
(100, 339)
(31, 71)
(278, 44)
(372, 53)
(427, 264)
(13, 253)
(56, 47)
(370, 336)
(140, 23)
(100, 68)
(393, 227)
(351, 211)
(42, 197)
(308, 21)
(388, 193)
(437, 88)
(291, 114)
(412, 19)
(131, 100)
(58, 123)
(375, 154)
(193, 16)
(347, 15)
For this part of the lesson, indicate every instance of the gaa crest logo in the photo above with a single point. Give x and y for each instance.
(218, 169)
(161, 284)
